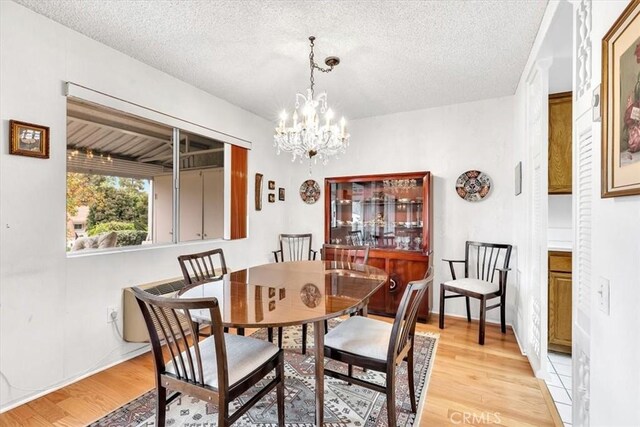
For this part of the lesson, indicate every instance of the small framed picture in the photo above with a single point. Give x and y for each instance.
(281, 194)
(26, 139)
(272, 197)
(272, 292)
(272, 185)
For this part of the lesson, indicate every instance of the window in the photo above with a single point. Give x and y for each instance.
(120, 175)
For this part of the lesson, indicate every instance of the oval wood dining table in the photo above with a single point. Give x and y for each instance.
(291, 293)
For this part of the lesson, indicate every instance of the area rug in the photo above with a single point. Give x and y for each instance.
(345, 405)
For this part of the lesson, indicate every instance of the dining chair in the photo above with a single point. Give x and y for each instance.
(358, 254)
(203, 266)
(341, 253)
(295, 247)
(481, 261)
(379, 346)
(217, 369)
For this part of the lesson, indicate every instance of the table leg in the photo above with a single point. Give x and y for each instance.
(318, 342)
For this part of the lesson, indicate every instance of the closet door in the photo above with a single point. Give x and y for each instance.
(213, 203)
(162, 209)
(190, 205)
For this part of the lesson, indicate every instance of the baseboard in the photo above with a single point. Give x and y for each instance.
(548, 400)
(522, 350)
(70, 381)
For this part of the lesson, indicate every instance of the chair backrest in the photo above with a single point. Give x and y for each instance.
(404, 325)
(346, 253)
(201, 266)
(482, 259)
(295, 247)
(163, 317)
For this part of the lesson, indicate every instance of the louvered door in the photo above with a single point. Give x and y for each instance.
(584, 187)
(537, 145)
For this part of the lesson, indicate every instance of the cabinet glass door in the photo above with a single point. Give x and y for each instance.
(386, 214)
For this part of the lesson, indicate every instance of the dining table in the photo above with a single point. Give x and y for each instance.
(291, 293)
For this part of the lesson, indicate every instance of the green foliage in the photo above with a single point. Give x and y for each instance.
(130, 237)
(123, 200)
(105, 227)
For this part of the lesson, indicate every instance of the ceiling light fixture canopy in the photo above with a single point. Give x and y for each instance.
(309, 135)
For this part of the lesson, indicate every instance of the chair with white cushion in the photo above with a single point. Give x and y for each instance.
(380, 346)
(481, 262)
(217, 369)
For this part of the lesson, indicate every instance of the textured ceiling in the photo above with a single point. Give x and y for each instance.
(396, 55)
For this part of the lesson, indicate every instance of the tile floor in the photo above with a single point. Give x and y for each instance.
(559, 384)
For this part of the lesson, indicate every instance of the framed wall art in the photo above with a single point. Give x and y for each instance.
(272, 198)
(258, 193)
(26, 139)
(272, 185)
(621, 105)
(281, 194)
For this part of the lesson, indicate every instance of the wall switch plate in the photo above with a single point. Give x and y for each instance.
(603, 294)
(596, 105)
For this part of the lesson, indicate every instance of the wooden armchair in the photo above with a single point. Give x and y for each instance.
(295, 247)
(202, 266)
(217, 369)
(346, 253)
(378, 345)
(481, 262)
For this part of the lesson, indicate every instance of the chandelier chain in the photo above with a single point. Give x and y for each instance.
(314, 66)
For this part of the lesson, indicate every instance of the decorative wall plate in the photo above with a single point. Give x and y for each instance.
(473, 185)
(310, 191)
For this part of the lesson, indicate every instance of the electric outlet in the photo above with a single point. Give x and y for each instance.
(112, 314)
(603, 293)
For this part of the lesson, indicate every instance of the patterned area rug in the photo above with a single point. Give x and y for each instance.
(345, 405)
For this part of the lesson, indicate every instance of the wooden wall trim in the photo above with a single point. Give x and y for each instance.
(239, 192)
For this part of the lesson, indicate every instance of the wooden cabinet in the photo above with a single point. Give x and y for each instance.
(560, 158)
(560, 301)
(392, 214)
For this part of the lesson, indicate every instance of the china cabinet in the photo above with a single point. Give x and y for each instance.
(392, 214)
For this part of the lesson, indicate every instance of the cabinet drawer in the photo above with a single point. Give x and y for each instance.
(560, 261)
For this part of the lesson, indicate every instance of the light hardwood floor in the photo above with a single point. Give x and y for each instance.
(470, 385)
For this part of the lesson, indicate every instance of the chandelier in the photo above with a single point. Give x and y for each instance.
(309, 135)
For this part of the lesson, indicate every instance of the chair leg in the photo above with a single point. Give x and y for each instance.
(270, 334)
(441, 325)
(304, 338)
(161, 406)
(280, 392)
(503, 319)
(483, 315)
(280, 338)
(240, 331)
(468, 310)
(412, 386)
(326, 326)
(391, 399)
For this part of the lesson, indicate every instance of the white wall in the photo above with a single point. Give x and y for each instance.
(615, 348)
(446, 141)
(53, 309)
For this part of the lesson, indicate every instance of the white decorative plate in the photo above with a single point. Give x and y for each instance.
(310, 191)
(473, 185)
